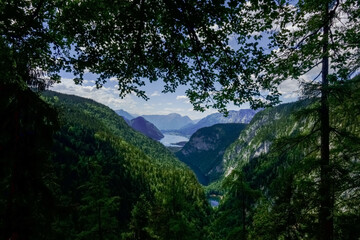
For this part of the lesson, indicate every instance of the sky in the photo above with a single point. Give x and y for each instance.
(159, 103)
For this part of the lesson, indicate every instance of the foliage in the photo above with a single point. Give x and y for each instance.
(311, 34)
(182, 43)
(25, 146)
(111, 187)
(287, 172)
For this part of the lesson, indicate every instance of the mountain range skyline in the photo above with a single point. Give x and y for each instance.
(159, 103)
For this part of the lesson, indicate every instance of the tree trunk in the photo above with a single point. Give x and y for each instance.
(326, 198)
(99, 222)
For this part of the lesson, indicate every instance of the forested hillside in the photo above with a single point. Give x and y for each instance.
(272, 172)
(205, 150)
(72, 169)
(104, 180)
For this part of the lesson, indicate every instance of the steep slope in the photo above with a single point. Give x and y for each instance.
(241, 116)
(113, 122)
(205, 149)
(101, 165)
(272, 171)
(146, 128)
(168, 122)
(264, 128)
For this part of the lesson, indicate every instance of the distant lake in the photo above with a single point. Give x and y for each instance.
(214, 203)
(214, 200)
(170, 140)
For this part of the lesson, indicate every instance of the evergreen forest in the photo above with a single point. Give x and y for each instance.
(71, 168)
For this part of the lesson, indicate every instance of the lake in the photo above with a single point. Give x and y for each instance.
(214, 202)
(170, 140)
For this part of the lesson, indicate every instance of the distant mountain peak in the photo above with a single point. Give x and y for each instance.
(174, 114)
(147, 128)
(172, 121)
(241, 116)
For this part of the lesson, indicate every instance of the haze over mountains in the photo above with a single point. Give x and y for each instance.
(146, 127)
(169, 122)
(241, 116)
(125, 114)
(183, 125)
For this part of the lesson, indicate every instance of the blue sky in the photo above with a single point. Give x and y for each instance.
(158, 103)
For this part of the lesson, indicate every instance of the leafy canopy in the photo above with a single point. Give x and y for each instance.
(180, 42)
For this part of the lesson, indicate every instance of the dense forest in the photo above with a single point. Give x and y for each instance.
(99, 180)
(272, 172)
(205, 149)
(73, 169)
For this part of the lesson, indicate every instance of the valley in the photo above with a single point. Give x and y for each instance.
(97, 157)
(179, 120)
(269, 164)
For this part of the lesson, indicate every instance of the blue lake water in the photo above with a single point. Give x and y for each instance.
(170, 140)
(214, 203)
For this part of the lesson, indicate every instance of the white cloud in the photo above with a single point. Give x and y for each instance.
(181, 97)
(108, 96)
(289, 89)
(155, 94)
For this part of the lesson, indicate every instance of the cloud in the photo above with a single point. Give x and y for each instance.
(289, 89)
(181, 97)
(113, 79)
(108, 96)
(155, 94)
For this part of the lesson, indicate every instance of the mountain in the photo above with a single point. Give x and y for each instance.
(141, 125)
(124, 114)
(250, 171)
(241, 116)
(273, 170)
(263, 130)
(205, 149)
(146, 128)
(168, 122)
(99, 164)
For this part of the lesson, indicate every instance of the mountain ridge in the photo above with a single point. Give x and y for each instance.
(145, 127)
(241, 116)
(204, 151)
(170, 121)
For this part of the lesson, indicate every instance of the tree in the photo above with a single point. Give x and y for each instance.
(25, 143)
(309, 35)
(241, 196)
(188, 43)
(98, 208)
(180, 42)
